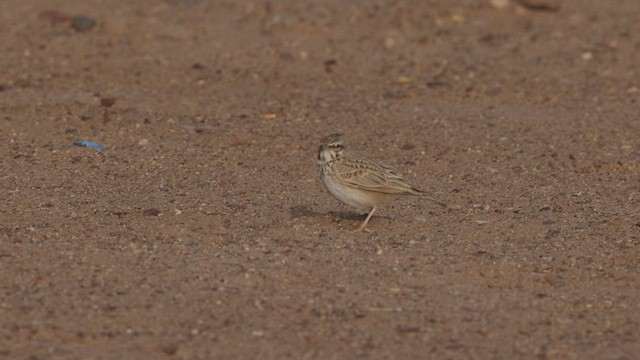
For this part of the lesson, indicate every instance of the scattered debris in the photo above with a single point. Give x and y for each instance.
(329, 64)
(106, 103)
(197, 66)
(436, 83)
(267, 116)
(275, 21)
(404, 80)
(541, 5)
(89, 144)
(420, 218)
(197, 128)
(55, 16)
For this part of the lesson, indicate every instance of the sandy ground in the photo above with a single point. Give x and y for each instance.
(203, 231)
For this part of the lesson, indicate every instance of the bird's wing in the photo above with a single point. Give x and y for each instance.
(365, 174)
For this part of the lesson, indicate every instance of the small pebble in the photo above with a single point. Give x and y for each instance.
(587, 56)
(389, 43)
(107, 102)
(499, 4)
(170, 348)
(143, 142)
(151, 212)
(82, 23)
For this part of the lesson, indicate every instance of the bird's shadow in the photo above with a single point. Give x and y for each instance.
(300, 211)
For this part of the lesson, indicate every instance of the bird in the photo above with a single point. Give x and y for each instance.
(358, 181)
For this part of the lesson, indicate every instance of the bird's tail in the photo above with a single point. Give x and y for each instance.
(424, 195)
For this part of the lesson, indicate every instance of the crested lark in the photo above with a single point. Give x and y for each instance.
(358, 181)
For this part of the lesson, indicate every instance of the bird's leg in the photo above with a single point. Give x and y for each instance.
(363, 227)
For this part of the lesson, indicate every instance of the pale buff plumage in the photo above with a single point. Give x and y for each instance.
(358, 181)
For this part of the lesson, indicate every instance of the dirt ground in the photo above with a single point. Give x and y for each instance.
(203, 231)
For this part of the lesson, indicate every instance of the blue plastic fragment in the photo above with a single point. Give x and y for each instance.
(90, 144)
